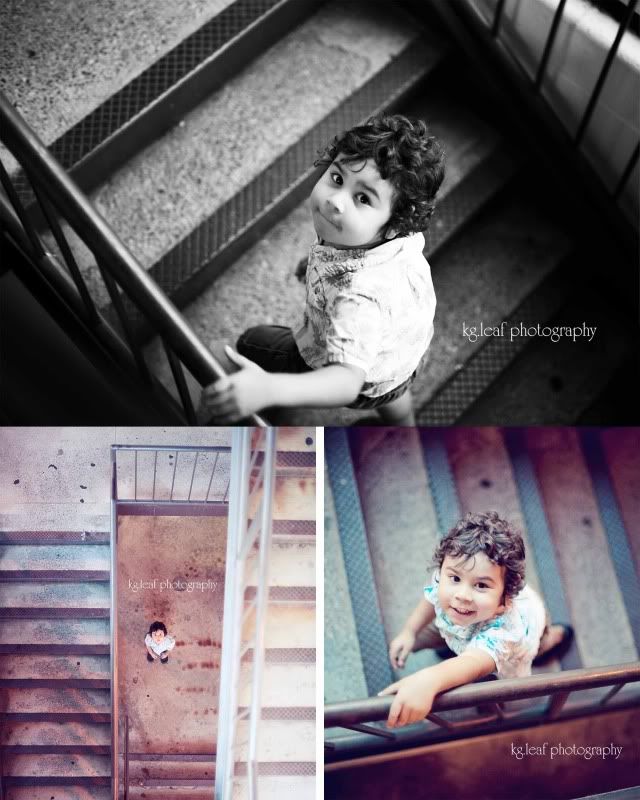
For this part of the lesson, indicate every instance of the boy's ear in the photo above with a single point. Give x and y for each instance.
(390, 233)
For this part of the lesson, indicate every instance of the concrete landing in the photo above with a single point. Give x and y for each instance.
(172, 707)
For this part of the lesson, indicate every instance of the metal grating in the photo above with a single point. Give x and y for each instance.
(357, 560)
(279, 768)
(465, 387)
(285, 712)
(137, 95)
(441, 481)
(285, 655)
(285, 594)
(294, 527)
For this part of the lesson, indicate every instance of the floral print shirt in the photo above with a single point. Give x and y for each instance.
(372, 309)
(512, 639)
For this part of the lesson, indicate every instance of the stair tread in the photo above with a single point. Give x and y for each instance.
(137, 199)
(58, 701)
(69, 76)
(283, 685)
(15, 557)
(55, 733)
(55, 595)
(53, 667)
(45, 632)
(82, 765)
(60, 793)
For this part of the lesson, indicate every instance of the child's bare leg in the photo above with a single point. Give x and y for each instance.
(398, 411)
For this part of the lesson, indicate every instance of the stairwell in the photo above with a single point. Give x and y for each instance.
(199, 152)
(390, 495)
(56, 724)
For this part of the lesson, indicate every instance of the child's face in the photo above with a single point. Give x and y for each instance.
(350, 204)
(157, 636)
(471, 590)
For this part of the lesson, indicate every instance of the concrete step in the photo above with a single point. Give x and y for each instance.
(287, 626)
(164, 792)
(54, 636)
(145, 771)
(54, 600)
(279, 787)
(58, 702)
(61, 670)
(55, 562)
(58, 792)
(56, 736)
(156, 191)
(281, 740)
(55, 537)
(290, 564)
(76, 770)
(283, 685)
(582, 548)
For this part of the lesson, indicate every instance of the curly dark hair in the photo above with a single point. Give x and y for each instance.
(495, 537)
(158, 626)
(406, 155)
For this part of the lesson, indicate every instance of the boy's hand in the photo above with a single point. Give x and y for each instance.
(400, 648)
(234, 397)
(414, 697)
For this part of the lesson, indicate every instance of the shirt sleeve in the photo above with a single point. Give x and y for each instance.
(148, 640)
(431, 590)
(354, 331)
(497, 642)
(171, 642)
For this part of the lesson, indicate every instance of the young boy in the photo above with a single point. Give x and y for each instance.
(478, 605)
(158, 643)
(369, 308)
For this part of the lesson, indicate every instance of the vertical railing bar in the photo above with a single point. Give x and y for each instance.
(135, 475)
(155, 466)
(181, 383)
(230, 630)
(66, 251)
(126, 757)
(226, 491)
(116, 299)
(497, 18)
(627, 171)
(604, 72)
(262, 598)
(213, 471)
(556, 704)
(29, 228)
(549, 44)
(193, 472)
(611, 693)
(173, 479)
(113, 632)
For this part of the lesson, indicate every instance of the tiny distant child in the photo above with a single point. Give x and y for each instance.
(478, 605)
(370, 304)
(158, 643)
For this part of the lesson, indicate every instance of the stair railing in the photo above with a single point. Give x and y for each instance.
(355, 715)
(126, 757)
(251, 495)
(125, 279)
(469, 27)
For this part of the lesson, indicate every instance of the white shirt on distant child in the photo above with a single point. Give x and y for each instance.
(168, 643)
(512, 639)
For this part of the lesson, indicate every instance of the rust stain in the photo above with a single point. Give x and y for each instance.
(208, 664)
(205, 642)
(180, 644)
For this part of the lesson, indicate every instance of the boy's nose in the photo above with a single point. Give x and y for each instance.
(336, 203)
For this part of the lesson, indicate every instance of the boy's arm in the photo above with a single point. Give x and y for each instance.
(423, 614)
(415, 694)
(236, 396)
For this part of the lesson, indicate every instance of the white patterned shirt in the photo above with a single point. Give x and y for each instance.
(168, 643)
(372, 309)
(512, 639)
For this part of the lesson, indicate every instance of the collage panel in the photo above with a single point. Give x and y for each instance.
(158, 632)
(488, 579)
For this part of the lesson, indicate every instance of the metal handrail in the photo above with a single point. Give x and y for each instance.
(114, 259)
(126, 757)
(113, 620)
(374, 709)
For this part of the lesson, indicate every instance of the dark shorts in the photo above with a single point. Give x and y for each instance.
(274, 349)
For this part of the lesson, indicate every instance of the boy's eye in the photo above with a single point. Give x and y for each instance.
(364, 199)
(336, 177)
(482, 586)
(454, 578)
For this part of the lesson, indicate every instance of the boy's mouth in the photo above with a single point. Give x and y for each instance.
(461, 612)
(330, 222)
